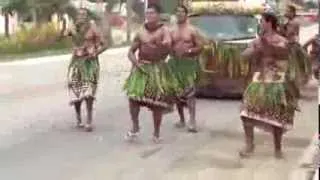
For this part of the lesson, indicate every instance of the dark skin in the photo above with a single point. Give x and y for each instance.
(314, 51)
(186, 43)
(315, 47)
(153, 45)
(264, 49)
(292, 27)
(92, 36)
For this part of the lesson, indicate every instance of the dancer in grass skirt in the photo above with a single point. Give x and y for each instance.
(83, 71)
(150, 83)
(314, 53)
(300, 70)
(269, 101)
(185, 65)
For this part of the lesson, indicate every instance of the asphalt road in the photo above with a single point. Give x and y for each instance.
(38, 141)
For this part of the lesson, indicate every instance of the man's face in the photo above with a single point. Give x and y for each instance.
(288, 13)
(152, 16)
(181, 15)
(265, 25)
(82, 15)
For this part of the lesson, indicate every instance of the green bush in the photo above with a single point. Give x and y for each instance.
(34, 39)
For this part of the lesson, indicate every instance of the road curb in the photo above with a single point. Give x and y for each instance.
(307, 164)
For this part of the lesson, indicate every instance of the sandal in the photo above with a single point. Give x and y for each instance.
(156, 140)
(131, 135)
(180, 125)
(88, 128)
(192, 130)
(80, 125)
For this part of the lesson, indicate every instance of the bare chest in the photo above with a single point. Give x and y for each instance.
(152, 38)
(183, 35)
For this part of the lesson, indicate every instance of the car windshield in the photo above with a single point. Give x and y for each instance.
(226, 27)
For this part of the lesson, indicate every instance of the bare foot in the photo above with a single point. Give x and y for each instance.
(192, 129)
(180, 125)
(156, 140)
(246, 152)
(130, 136)
(80, 125)
(88, 128)
(278, 155)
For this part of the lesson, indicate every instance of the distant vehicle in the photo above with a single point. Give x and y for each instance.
(309, 17)
(223, 72)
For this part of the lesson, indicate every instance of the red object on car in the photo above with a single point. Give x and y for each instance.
(309, 16)
(118, 21)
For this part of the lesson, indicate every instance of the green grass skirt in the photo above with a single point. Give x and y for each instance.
(153, 85)
(83, 76)
(185, 70)
(300, 67)
(274, 101)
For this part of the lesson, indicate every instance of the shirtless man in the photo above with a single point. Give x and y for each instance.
(291, 28)
(314, 53)
(143, 86)
(299, 56)
(88, 44)
(184, 64)
(268, 104)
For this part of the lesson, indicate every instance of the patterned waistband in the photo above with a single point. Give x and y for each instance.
(183, 58)
(272, 77)
(144, 61)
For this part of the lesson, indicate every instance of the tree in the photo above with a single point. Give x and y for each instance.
(8, 9)
(39, 9)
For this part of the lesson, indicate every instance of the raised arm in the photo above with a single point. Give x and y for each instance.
(308, 43)
(251, 50)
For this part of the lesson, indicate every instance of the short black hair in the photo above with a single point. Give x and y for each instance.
(272, 18)
(292, 9)
(156, 7)
(183, 7)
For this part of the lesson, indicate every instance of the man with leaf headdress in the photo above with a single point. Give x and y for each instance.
(83, 71)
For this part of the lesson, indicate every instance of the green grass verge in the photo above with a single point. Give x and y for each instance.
(52, 51)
